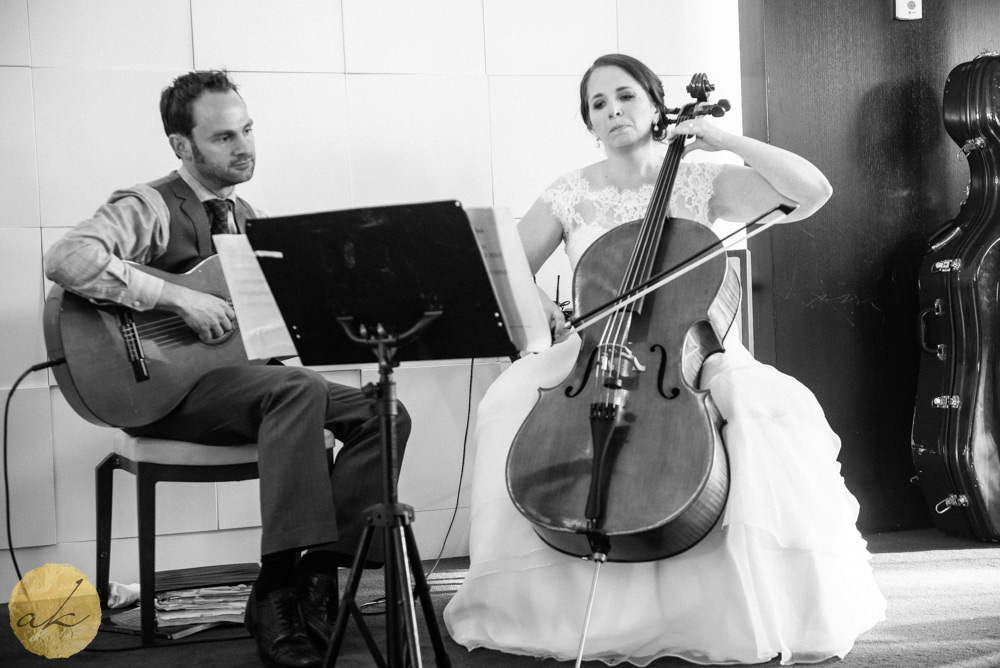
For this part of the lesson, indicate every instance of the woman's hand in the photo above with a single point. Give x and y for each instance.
(557, 324)
(708, 136)
(557, 319)
(772, 177)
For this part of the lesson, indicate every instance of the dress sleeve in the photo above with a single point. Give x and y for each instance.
(695, 187)
(563, 198)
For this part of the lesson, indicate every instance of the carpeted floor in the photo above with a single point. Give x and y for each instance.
(944, 612)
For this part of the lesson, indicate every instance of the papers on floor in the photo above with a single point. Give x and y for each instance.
(208, 604)
(190, 600)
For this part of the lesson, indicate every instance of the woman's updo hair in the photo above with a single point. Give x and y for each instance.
(638, 71)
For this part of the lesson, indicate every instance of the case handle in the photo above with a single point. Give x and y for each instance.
(937, 309)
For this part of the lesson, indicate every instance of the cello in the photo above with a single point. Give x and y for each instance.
(624, 460)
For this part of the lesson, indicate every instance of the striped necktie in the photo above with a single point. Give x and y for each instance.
(218, 214)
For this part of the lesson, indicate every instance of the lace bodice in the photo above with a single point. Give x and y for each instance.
(585, 213)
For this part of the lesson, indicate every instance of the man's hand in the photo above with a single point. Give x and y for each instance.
(209, 316)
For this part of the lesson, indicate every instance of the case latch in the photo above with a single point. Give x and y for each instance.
(946, 266)
(946, 401)
(970, 146)
(950, 502)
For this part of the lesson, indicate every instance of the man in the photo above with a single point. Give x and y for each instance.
(168, 224)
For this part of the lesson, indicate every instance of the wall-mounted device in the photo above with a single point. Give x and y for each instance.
(907, 10)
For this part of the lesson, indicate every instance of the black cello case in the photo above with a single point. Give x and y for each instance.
(956, 421)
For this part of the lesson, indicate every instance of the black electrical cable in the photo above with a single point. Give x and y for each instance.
(461, 470)
(6, 473)
(10, 541)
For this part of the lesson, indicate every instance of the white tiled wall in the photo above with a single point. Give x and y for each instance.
(355, 102)
(95, 130)
(18, 168)
(526, 37)
(268, 36)
(303, 152)
(14, 33)
(416, 37)
(110, 34)
(32, 487)
(21, 344)
(539, 119)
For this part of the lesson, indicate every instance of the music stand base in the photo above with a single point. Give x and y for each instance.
(402, 561)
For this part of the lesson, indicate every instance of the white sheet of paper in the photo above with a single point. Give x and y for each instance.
(261, 325)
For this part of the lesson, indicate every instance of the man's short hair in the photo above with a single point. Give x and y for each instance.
(177, 99)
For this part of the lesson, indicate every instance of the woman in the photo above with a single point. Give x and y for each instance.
(784, 571)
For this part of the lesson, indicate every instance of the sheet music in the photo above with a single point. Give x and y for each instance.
(262, 328)
(510, 274)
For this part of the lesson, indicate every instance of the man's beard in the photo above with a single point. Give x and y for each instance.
(221, 175)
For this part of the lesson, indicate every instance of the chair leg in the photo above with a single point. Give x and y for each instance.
(146, 498)
(104, 473)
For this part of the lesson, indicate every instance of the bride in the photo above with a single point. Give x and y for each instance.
(784, 572)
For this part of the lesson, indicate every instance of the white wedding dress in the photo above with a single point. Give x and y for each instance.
(783, 573)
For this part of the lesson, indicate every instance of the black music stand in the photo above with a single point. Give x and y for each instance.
(403, 282)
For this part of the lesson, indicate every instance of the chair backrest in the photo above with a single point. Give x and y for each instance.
(739, 261)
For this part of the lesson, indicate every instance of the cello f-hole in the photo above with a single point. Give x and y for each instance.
(590, 366)
(674, 392)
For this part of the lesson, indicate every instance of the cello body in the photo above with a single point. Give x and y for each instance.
(956, 421)
(665, 477)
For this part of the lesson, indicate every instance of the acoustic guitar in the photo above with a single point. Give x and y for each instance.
(127, 368)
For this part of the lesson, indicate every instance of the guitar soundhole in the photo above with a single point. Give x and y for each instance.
(222, 339)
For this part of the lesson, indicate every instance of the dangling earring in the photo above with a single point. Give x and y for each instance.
(656, 127)
(598, 142)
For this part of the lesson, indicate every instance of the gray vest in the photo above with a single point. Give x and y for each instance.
(190, 229)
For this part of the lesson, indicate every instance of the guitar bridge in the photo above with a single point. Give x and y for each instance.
(133, 346)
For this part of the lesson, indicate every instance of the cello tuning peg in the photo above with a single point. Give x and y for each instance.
(716, 110)
(724, 104)
(667, 113)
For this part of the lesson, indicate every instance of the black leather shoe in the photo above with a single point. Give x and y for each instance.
(274, 620)
(318, 600)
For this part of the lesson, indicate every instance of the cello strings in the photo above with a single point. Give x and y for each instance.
(641, 261)
(580, 323)
(650, 233)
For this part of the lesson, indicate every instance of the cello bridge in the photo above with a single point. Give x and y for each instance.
(617, 359)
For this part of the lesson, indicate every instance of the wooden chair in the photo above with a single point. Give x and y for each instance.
(153, 460)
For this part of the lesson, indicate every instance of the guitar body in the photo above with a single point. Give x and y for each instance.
(128, 368)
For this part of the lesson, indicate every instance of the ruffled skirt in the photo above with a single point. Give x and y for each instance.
(784, 572)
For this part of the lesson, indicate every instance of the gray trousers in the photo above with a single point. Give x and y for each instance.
(285, 410)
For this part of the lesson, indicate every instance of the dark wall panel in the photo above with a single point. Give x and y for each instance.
(859, 94)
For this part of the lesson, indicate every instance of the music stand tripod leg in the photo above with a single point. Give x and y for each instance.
(407, 559)
(422, 590)
(348, 607)
(401, 556)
